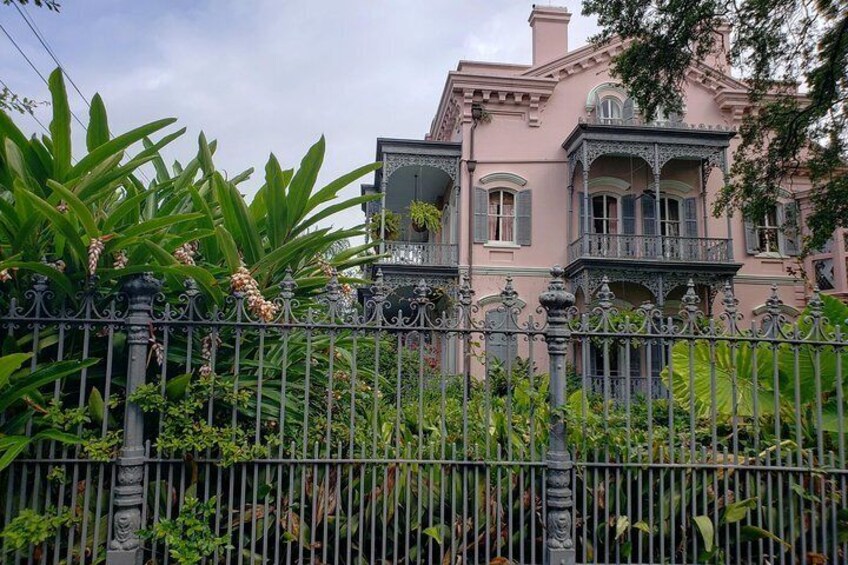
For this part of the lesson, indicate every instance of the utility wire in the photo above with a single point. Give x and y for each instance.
(44, 43)
(30, 22)
(31, 64)
(34, 117)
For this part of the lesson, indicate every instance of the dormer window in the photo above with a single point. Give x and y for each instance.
(609, 110)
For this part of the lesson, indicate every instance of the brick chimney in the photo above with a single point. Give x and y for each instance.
(550, 33)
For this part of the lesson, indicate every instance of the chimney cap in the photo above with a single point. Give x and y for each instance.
(549, 13)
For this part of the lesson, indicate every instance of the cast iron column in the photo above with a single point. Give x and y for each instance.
(560, 502)
(124, 547)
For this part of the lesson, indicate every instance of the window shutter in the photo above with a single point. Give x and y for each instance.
(522, 217)
(628, 111)
(752, 245)
(690, 217)
(789, 233)
(649, 215)
(500, 346)
(481, 216)
(628, 214)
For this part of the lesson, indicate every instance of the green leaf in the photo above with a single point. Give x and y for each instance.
(57, 435)
(276, 181)
(116, 145)
(81, 211)
(737, 511)
(58, 222)
(61, 280)
(204, 155)
(60, 126)
(237, 220)
(9, 364)
(753, 533)
(48, 374)
(11, 447)
(330, 191)
(707, 531)
(437, 533)
(228, 248)
(96, 407)
(98, 124)
(303, 182)
(622, 524)
(643, 526)
(176, 387)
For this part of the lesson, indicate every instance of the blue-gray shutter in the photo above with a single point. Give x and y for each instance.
(649, 215)
(500, 346)
(628, 111)
(523, 210)
(481, 215)
(789, 232)
(752, 243)
(690, 217)
(628, 214)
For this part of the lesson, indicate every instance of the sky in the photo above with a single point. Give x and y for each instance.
(264, 76)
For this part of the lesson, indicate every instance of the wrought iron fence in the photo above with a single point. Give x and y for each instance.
(321, 433)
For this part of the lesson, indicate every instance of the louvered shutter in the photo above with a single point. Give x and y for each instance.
(628, 214)
(496, 346)
(690, 217)
(752, 244)
(628, 111)
(649, 215)
(481, 216)
(789, 232)
(523, 213)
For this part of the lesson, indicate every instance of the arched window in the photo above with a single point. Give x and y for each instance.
(605, 214)
(502, 216)
(609, 110)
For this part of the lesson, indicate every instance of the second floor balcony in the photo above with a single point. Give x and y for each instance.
(420, 254)
(650, 248)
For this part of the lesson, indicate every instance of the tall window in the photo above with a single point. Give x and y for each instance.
(670, 217)
(502, 216)
(605, 214)
(609, 110)
(767, 232)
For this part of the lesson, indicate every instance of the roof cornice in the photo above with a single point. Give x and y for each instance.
(462, 89)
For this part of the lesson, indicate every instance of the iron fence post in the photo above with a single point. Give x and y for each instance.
(124, 546)
(560, 502)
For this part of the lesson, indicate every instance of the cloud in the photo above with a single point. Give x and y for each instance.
(268, 75)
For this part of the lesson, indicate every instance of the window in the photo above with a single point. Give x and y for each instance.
(502, 216)
(605, 214)
(670, 217)
(767, 232)
(609, 111)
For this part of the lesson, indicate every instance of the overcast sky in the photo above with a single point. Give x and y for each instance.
(268, 76)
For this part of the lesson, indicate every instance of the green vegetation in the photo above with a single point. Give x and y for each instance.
(425, 216)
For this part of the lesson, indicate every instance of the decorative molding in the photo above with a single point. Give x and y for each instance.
(503, 177)
(675, 185)
(498, 299)
(784, 309)
(603, 89)
(394, 161)
(615, 182)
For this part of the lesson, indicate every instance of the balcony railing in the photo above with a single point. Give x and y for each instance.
(650, 247)
(423, 254)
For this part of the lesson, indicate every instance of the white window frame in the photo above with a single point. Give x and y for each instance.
(763, 227)
(664, 216)
(501, 217)
(606, 219)
(608, 106)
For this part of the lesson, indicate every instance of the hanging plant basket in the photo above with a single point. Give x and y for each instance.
(424, 216)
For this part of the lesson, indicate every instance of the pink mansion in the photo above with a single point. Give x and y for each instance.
(551, 163)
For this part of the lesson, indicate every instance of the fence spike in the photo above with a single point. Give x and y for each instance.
(604, 295)
(509, 294)
(773, 302)
(288, 285)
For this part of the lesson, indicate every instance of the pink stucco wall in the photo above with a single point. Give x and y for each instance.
(532, 109)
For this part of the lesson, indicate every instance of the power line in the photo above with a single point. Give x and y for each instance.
(31, 64)
(45, 44)
(30, 22)
(34, 117)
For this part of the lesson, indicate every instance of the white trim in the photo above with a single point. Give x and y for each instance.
(498, 242)
(784, 309)
(604, 88)
(498, 299)
(676, 185)
(501, 245)
(503, 177)
(614, 182)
